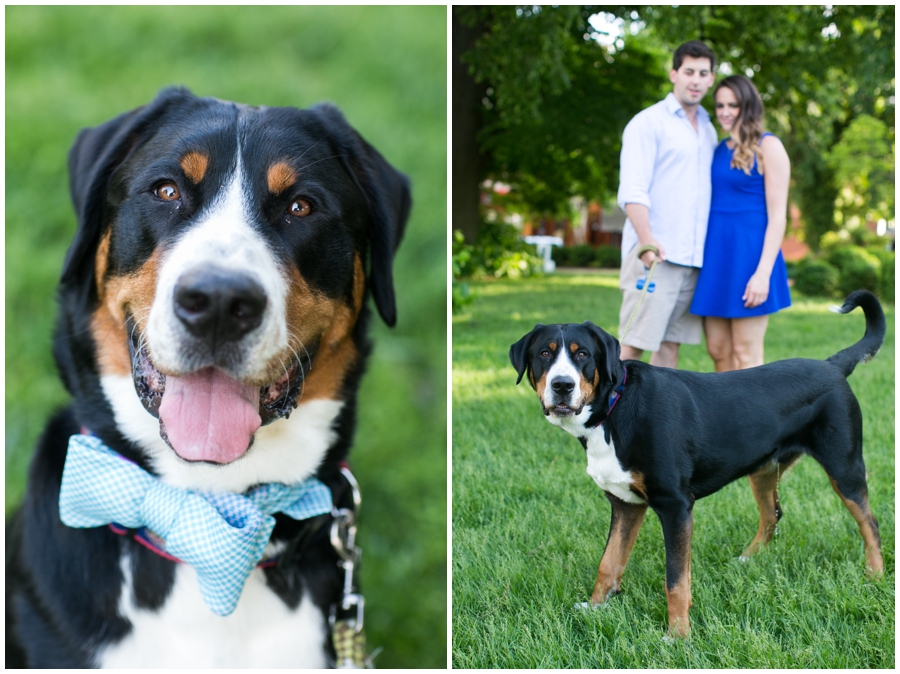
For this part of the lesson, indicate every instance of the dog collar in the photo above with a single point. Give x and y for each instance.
(613, 399)
(615, 395)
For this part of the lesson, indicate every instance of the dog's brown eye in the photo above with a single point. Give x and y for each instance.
(581, 354)
(167, 192)
(545, 353)
(299, 208)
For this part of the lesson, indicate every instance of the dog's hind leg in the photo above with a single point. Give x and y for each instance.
(764, 484)
(624, 526)
(847, 472)
(857, 502)
(677, 523)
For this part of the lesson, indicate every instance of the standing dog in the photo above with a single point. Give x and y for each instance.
(212, 333)
(663, 438)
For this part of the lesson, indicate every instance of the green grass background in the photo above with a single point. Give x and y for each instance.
(72, 67)
(529, 525)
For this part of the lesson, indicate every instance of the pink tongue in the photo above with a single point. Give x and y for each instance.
(209, 416)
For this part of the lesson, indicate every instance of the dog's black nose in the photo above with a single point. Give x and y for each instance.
(219, 305)
(563, 385)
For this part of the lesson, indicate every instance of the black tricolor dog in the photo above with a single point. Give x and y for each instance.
(663, 438)
(212, 330)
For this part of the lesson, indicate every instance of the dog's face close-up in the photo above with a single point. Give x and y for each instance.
(222, 261)
(568, 365)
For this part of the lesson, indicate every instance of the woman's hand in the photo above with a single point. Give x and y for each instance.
(757, 290)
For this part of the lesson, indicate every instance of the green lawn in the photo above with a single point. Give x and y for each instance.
(529, 525)
(72, 67)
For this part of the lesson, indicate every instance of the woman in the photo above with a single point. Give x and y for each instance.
(743, 278)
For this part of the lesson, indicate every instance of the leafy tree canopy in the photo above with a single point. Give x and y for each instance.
(558, 95)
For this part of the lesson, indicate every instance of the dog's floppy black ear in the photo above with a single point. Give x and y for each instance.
(388, 197)
(519, 350)
(610, 345)
(97, 153)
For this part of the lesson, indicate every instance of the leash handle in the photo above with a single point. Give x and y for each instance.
(649, 248)
(641, 251)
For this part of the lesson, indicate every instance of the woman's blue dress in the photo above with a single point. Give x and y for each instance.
(734, 243)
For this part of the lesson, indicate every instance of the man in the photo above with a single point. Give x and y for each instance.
(665, 191)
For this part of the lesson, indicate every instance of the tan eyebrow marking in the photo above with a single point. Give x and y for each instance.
(552, 346)
(280, 177)
(194, 165)
(573, 347)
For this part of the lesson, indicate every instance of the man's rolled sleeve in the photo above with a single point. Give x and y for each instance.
(637, 163)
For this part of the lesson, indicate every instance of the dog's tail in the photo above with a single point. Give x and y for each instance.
(866, 348)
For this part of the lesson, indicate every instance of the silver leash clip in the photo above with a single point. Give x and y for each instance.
(343, 539)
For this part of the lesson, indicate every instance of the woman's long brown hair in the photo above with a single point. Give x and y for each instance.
(749, 125)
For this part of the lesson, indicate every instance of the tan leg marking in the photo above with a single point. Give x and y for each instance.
(626, 522)
(868, 527)
(678, 598)
(764, 484)
(679, 604)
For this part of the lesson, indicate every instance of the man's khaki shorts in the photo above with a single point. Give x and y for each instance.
(665, 314)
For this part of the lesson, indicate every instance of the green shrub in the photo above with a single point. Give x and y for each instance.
(792, 267)
(461, 255)
(585, 255)
(498, 251)
(861, 236)
(858, 268)
(608, 257)
(850, 255)
(560, 255)
(816, 277)
(581, 255)
(859, 274)
(886, 275)
(462, 295)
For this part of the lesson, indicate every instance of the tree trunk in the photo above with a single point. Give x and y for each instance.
(468, 163)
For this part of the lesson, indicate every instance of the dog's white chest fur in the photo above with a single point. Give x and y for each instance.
(604, 467)
(602, 463)
(184, 633)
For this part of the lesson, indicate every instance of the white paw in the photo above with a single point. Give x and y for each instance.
(586, 606)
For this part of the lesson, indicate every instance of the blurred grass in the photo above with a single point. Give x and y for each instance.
(71, 67)
(529, 526)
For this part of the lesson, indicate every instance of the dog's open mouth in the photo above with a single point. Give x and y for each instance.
(208, 415)
(563, 410)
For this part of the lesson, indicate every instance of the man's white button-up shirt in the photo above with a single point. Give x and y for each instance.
(665, 165)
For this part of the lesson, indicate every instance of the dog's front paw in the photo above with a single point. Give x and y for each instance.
(586, 606)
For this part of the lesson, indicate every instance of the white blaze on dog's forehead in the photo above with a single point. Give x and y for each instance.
(562, 367)
(222, 235)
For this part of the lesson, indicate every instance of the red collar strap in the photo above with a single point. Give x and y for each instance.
(614, 398)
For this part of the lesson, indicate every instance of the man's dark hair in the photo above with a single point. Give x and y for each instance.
(696, 49)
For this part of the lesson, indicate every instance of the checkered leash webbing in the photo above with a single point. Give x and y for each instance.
(221, 535)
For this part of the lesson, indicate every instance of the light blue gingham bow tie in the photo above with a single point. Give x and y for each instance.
(221, 535)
